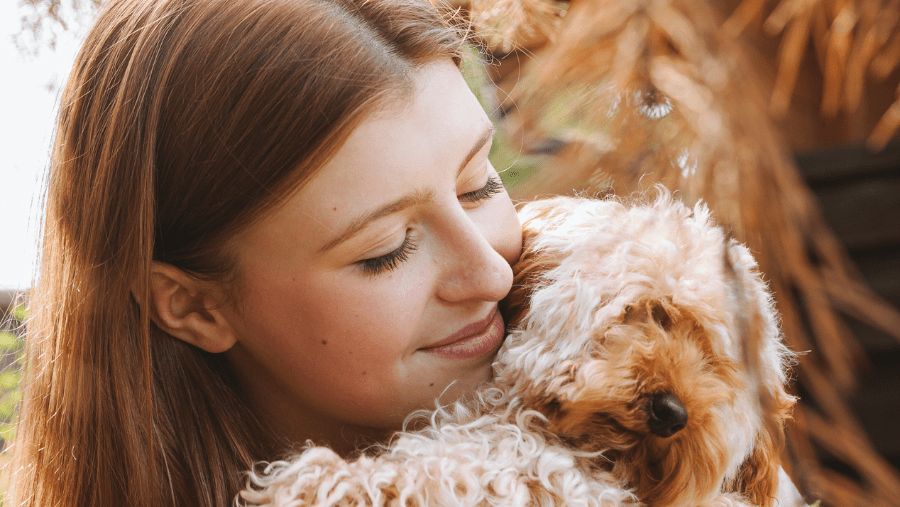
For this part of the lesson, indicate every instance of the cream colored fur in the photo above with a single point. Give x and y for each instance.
(617, 310)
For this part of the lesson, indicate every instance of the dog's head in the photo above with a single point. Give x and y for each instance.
(629, 334)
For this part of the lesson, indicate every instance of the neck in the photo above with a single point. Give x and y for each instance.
(291, 425)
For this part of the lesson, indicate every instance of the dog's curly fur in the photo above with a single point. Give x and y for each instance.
(623, 381)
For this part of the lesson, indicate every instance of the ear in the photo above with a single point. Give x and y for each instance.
(759, 475)
(188, 309)
(526, 273)
(764, 358)
(757, 479)
(532, 263)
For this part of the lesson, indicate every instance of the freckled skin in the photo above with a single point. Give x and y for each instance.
(298, 298)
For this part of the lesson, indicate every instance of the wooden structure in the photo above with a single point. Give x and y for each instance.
(859, 193)
(713, 98)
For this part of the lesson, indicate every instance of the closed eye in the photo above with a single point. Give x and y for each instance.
(493, 186)
(388, 261)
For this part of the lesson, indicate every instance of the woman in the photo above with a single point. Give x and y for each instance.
(267, 221)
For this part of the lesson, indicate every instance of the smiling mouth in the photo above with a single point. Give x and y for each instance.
(473, 341)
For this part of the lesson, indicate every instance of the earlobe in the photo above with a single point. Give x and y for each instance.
(186, 308)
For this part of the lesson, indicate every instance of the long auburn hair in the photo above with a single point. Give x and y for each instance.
(182, 122)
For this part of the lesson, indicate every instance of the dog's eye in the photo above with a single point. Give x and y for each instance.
(654, 470)
(660, 316)
(552, 408)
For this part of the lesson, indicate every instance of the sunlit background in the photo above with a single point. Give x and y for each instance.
(858, 189)
(33, 74)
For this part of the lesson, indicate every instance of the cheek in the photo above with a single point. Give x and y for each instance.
(336, 312)
(333, 324)
(334, 340)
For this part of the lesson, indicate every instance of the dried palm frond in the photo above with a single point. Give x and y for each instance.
(634, 92)
(514, 24)
(854, 41)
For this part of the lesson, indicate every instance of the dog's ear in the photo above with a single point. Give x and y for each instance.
(757, 479)
(526, 275)
(764, 358)
(537, 218)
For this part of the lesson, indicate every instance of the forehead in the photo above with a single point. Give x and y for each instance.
(438, 119)
(416, 143)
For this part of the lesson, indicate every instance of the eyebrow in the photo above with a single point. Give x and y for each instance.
(415, 199)
(361, 222)
(486, 136)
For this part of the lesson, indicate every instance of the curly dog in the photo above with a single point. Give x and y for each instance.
(644, 366)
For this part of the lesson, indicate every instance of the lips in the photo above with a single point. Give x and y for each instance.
(472, 341)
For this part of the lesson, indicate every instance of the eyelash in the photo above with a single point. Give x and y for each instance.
(389, 261)
(493, 187)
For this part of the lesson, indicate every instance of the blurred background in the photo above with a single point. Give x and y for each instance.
(781, 115)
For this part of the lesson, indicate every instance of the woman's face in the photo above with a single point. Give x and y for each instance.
(375, 287)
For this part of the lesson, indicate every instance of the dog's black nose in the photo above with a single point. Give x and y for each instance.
(667, 415)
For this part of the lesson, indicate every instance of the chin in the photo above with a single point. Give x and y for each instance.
(465, 384)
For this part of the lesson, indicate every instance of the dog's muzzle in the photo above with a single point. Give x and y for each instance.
(667, 415)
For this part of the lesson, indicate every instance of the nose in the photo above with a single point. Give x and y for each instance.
(472, 268)
(667, 415)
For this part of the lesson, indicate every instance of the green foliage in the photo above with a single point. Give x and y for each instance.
(505, 155)
(12, 357)
(20, 313)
